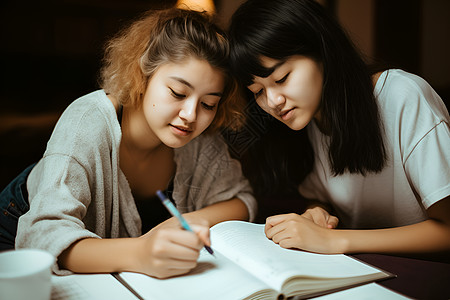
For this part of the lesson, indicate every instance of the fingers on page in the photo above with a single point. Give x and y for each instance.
(333, 222)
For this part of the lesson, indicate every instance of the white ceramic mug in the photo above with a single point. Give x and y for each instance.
(26, 274)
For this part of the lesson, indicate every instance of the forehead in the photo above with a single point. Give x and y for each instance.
(191, 68)
(267, 67)
(197, 74)
(270, 63)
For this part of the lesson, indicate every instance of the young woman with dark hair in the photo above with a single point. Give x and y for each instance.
(377, 153)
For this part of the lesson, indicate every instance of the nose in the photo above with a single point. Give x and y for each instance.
(188, 110)
(275, 98)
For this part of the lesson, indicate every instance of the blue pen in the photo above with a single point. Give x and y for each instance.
(174, 212)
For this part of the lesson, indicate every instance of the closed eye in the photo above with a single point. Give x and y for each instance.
(177, 95)
(283, 79)
(208, 107)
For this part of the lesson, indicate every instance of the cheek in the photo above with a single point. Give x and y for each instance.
(315, 97)
(307, 95)
(149, 107)
(161, 107)
(205, 119)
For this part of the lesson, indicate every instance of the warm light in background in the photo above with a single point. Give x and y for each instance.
(199, 5)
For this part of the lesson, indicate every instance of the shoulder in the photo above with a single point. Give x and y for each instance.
(92, 105)
(401, 82)
(399, 90)
(400, 78)
(414, 115)
(87, 121)
(89, 112)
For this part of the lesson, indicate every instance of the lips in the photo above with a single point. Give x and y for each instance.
(286, 114)
(181, 130)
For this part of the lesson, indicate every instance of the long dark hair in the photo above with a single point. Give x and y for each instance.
(283, 28)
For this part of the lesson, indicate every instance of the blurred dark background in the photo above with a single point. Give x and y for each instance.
(51, 50)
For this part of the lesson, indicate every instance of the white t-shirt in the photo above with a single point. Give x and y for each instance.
(417, 174)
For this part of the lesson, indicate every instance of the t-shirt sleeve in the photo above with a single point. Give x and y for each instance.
(423, 137)
(428, 165)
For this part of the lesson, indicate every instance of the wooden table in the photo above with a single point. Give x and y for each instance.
(416, 278)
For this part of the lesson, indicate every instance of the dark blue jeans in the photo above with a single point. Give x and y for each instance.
(13, 204)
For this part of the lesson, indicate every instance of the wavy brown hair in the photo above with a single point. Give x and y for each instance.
(169, 36)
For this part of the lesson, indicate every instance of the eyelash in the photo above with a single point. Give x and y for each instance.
(181, 96)
(283, 79)
(208, 107)
(176, 95)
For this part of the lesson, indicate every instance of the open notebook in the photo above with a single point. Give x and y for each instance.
(247, 265)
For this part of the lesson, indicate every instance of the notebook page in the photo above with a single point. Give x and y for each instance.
(246, 244)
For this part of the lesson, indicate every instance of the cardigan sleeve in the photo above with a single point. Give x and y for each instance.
(69, 187)
(59, 196)
(207, 174)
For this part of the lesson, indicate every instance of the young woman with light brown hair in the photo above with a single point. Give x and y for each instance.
(154, 125)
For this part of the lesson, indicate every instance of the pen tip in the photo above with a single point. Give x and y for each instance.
(210, 251)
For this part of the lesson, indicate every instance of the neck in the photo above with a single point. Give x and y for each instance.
(137, 137)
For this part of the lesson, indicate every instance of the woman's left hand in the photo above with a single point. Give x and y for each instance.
(297, 231)
(321, 217)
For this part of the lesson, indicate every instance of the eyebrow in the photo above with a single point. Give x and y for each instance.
(181, 80)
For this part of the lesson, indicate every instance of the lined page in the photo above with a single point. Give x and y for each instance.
(246, 244)
(213, 278)
(89, 287)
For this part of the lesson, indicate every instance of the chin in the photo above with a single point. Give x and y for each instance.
(176, 144)
(296, 126)
(177, 141)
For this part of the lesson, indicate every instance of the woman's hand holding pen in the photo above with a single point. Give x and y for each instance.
(166, 250)
(169, 250)
(198, 225)
(302, 232)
